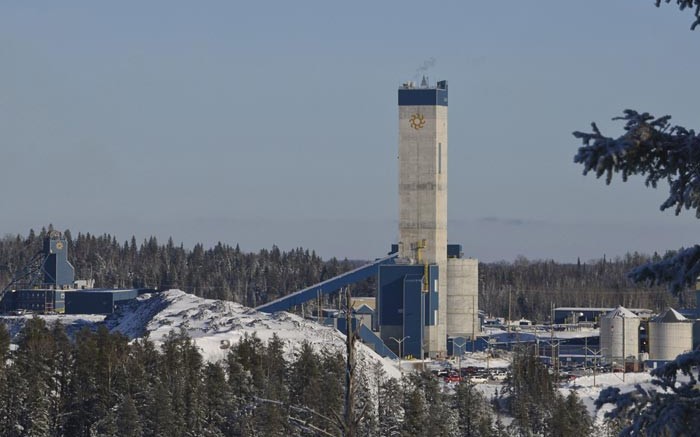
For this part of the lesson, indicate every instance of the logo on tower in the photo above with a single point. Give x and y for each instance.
(417, 121)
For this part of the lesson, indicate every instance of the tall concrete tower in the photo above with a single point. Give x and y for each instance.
(423, 188)
(431, 292)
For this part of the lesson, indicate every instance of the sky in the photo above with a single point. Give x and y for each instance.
(276, 123)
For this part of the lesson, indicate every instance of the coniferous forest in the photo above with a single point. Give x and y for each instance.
(102, 384)
(522, 288)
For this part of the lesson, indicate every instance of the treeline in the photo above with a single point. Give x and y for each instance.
(523, 288)
(529, 288)
(222, 272)
(102, 384)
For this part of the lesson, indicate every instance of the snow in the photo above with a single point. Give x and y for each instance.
(588, 392)
(214, 326)
(580, 332)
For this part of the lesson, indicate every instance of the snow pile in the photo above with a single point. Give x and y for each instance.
(215, 325)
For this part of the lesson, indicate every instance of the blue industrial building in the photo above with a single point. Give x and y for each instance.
(405, 307)
(97, 301)
(47, 285)
(426, 290)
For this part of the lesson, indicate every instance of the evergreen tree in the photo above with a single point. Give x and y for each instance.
(4, 345)
(13, 392)
(242, 397)
(415, 407)
(271, 418)
(59, 382)
(164, 420)
(569, 417)
(530, 393)
(474, 416)
(128, 422)
(83, 392)
(389, 407)
(305, 384)
(331, 382)
(34, 361)
(441, 418)
(218, 404)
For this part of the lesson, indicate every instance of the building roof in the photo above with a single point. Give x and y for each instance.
(363, 309)
(600, 309)
(669, 315)
(621, 312)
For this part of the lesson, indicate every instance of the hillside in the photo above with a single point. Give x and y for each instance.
(214, 325)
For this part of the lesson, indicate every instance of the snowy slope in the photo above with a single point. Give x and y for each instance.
(214, 324)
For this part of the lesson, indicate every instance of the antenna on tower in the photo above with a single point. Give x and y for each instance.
(424, 82)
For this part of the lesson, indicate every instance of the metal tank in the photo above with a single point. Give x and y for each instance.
(670, 334)
(619, 335)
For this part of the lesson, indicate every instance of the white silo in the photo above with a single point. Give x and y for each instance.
(670, 334)
(619, 335)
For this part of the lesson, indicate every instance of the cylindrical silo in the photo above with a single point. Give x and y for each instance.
(462, 297)
(670, 334)
(619, 335)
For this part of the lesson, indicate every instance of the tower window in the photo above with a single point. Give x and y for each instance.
(439, 158)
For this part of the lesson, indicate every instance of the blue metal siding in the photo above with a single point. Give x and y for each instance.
(57, 270)
(87, 302)
(432, 296)
(422, 97)
(97, 301)
(454, 250)
(412, 315)
(391, 292)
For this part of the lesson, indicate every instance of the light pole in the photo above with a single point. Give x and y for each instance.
(459, 357)
(595, 354)
(400, 343)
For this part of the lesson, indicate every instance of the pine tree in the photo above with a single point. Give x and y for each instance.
(530, 393)
(13, 392)
(570, 417)
(164, 420)
(242, 397)
(415, 407)
(83, 392)
(59, 383)
(218, 404)
(128, 422)
(271, 418)
(4, 345)
(305, 383)
(389, 407)
(441, 418)
(474, 417)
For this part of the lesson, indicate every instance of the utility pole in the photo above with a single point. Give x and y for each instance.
(624, 356)
(551, 342)
(509, 308)
(349, 416)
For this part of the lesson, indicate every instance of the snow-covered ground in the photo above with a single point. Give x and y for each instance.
(588, 392)
(214, 326)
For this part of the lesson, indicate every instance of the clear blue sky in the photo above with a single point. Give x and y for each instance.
(265, 123)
